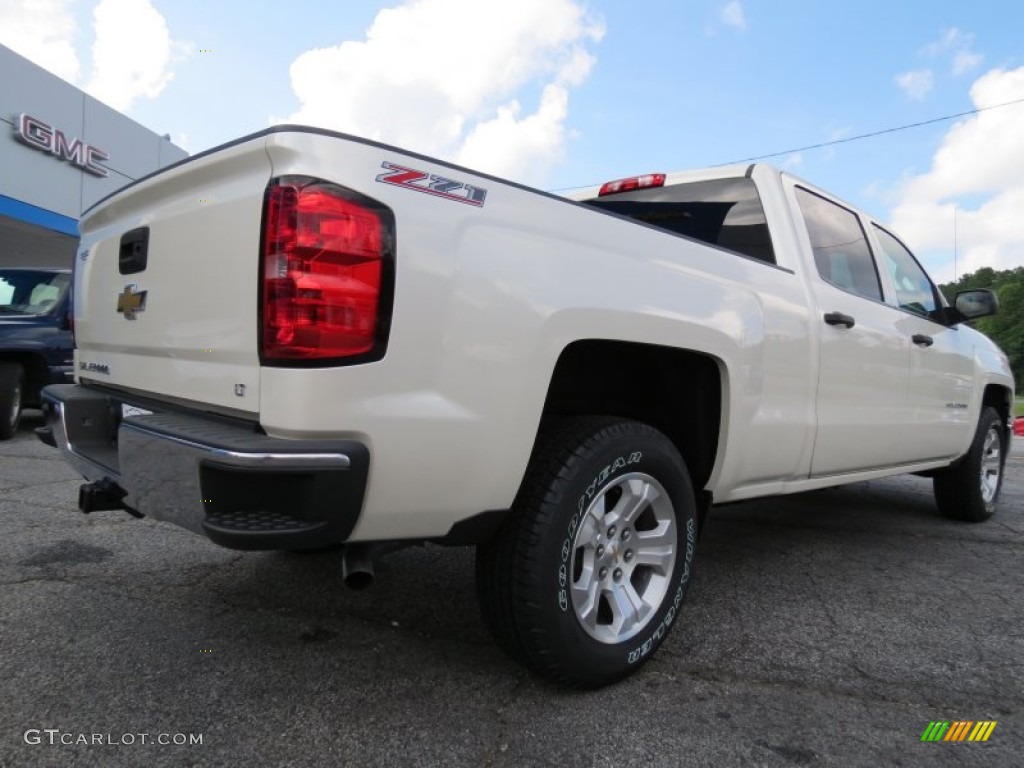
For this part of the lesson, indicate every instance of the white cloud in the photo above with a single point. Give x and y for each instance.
(958, 43)
(965, 61)
(512, 146)
(950, 39)
(916, 84)
(132, 50)
(976, 176)
(131, 54)
(733, 16)
(953, 46)
(42, 31)
(450, 78)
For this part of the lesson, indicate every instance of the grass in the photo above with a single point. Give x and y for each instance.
(1018, 406)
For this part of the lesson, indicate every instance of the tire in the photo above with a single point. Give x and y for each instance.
(587, 575)
(12, 387)
(969, 489)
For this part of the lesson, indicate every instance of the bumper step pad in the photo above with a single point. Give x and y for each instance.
(262, 529)
(253, 520)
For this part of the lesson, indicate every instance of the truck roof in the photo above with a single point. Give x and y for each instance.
(674, 177)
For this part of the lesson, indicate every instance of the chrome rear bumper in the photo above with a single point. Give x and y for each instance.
(242, 488)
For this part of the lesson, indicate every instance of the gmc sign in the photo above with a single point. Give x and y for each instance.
(46, 138)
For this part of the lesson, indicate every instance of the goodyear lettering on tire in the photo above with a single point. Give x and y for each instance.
(608, 471)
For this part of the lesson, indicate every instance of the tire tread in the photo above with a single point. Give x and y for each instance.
(11, 375)
(508, 570)
(957, 489)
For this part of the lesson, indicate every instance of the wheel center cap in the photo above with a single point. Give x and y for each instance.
(615, 550)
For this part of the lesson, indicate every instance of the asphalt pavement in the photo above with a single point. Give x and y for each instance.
(823, 629)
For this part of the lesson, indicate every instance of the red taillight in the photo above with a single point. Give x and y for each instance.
(324, 251)
(633, 182)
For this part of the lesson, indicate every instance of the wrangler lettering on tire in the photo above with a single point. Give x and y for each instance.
(587, 576)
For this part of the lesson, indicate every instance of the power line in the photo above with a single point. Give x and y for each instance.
(876, 133)
(848, 139)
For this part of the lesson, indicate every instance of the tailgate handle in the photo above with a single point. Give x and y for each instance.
(131, 257)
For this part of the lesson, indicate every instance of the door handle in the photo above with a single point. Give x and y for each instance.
(921, 340)
(838, 318)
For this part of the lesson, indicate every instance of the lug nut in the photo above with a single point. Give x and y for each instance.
(617, 575)
(611, 532)
(628, 557)
(600, 551)
(603, 573)
(626, 534)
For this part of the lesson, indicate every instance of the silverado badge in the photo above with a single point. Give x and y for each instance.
(132, 300)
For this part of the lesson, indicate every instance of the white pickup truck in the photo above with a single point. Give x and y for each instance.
(303, 339)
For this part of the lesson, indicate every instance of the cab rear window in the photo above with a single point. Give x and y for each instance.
(722, 212)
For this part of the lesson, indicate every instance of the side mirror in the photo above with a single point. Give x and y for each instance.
(977, 303)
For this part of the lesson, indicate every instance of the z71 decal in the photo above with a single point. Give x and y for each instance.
(438, 186)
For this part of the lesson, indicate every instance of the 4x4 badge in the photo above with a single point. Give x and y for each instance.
(131, 301)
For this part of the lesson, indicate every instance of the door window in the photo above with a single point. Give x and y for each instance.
(914, 291)
(841, 252)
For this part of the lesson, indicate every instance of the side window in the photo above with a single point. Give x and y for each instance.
(914, 291)
(841, 251)
(723, 212)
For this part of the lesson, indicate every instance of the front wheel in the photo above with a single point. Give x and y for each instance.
(587, 575)
(12, 383)
(969, 489)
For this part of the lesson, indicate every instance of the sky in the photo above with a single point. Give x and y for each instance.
(567, 93)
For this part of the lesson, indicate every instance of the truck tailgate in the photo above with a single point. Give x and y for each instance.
(167, 281)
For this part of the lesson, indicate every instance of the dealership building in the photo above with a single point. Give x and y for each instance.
(61, 151)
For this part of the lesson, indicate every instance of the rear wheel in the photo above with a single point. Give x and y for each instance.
(12, 384)
(970, 489)
(587, 575)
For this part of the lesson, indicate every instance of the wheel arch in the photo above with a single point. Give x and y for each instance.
(677, 391)
(1000, 398)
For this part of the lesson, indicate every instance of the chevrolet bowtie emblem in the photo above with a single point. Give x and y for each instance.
(131, 301)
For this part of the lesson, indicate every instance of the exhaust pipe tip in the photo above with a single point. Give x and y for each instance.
(357, 567)
(357, 581)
